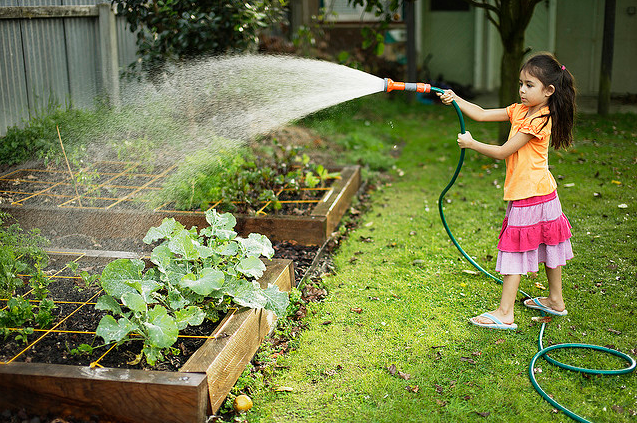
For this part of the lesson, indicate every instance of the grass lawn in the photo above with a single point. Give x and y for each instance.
(391, 342)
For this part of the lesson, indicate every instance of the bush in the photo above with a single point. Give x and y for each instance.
(39, 138)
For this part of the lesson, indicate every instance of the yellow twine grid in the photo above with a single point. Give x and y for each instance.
(88, 302)
(129, 167)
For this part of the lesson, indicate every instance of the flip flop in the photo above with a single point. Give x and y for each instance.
(497, 324)
(537, 305)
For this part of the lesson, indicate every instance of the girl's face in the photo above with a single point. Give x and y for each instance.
(532, 91)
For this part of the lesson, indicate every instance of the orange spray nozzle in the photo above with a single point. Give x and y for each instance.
(406, 86)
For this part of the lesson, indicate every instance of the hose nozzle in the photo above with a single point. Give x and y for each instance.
(419, 87)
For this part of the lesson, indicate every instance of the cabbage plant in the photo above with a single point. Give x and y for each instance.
(196, 276)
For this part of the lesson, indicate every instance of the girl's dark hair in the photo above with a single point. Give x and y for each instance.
(549, 71)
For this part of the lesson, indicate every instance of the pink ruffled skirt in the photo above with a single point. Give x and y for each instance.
(535, 230)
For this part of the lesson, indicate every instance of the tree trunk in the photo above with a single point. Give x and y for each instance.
(603, 99)
(510, 75)
(410, 21)
(514, 17)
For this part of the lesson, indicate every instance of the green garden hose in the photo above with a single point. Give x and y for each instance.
(542, 350)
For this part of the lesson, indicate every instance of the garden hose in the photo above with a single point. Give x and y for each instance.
(390, 85)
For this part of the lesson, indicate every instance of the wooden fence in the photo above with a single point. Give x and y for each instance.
(66, 52)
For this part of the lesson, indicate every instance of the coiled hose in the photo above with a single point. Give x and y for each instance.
(542, 351)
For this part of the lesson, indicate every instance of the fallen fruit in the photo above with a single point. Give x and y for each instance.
(242, 403)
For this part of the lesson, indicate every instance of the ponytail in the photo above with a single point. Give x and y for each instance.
(562, 107)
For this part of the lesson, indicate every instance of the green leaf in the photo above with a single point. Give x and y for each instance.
(229, 249)
(176, 300)
(134, 301)
(221, 225)
(162, 328)
(148, 287)
(121, 276)
(311, 181)
(245, 293)
(379, 48)
(277, 301)
(251, 267)
(204, 252)
(191, 315)
(108, 303)
(210, 280)
(162, 257)
(183, 244)
(114, 330)
(256, 245)
(220, 221)
(168, 225)
(152, 354)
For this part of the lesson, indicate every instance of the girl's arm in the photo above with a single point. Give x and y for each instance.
(474, 111)
(499, 152)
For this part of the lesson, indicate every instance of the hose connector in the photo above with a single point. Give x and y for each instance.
(419, 87)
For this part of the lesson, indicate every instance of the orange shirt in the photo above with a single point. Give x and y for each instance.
(527, 170)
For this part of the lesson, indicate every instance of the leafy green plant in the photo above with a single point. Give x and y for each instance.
(37, 136)
(82, 349)
(87, 279)
(196, 276)
(21, 253)
(19, 316)
(23, 335)
(245, 182)
(321, 178)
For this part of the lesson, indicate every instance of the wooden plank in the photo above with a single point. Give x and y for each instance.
(98, 223)
(31, 12)
(228, 365)
(123, 395)
(335, 206)
(306, 230)
(97, 254)
(224, 358)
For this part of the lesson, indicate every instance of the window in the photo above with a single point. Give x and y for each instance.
(449, 6)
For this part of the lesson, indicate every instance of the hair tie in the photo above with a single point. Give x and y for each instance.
(563, 67)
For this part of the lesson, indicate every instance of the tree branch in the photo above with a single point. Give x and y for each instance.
(484, 5)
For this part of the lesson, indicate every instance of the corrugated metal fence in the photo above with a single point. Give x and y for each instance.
(59, 51)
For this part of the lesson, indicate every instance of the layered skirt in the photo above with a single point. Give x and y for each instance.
(535, 230)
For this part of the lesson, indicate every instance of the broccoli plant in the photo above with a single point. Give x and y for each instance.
(196, 276)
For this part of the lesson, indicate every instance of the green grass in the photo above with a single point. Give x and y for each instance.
(416, 292)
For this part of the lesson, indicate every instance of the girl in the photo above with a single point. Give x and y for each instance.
(535, 229)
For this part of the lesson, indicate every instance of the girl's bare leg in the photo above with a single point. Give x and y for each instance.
(554, 300)
(507, 301)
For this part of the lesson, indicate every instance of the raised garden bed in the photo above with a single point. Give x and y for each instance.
(131, 395)
(107, 212)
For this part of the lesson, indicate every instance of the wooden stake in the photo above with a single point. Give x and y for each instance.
(69, 167)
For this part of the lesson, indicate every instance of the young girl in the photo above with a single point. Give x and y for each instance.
(535, 229)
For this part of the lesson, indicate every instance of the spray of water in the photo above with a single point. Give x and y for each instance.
(195, 111)
(231, 99)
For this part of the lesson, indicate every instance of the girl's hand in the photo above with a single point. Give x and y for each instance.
(465, 140)
(447, 97)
